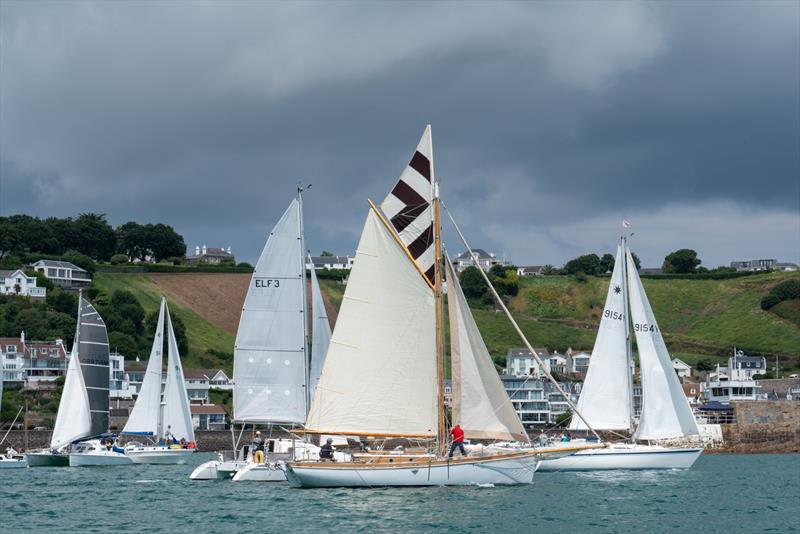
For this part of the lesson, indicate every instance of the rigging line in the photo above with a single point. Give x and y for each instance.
(519, 331)
(12, 425)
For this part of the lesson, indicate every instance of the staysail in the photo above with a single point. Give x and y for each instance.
(145, 414)
(270, 366)
(93, 359)
(379, 376)
(480, 404)
(177, 415)
(605, 399)
(321, 334)
(665, 410)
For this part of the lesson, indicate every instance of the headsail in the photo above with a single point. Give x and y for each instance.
(480, 404)
(93, 359)
(379, 376)
(177, 415)
(605, 399)
(321, 332)
(269, 369)
(665, 410)
(409, 206)
(147, 410)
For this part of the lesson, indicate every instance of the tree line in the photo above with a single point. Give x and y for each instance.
(88, 236)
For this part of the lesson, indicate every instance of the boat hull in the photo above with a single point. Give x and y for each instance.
(217, 470)
(47, 459)
(98, 460)
(260, 473)
(499, 470)
(15, 463)
(159, 455)
(629, 458)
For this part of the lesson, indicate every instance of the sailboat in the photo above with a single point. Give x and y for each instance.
(11, 459)
(149, 418)
(273, 371)
(606, 400)
(384, 371)
(83, 409)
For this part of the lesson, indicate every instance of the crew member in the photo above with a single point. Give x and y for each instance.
(258, 448)
(458, 440)
(326, 451)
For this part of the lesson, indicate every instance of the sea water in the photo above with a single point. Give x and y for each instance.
(720, 494)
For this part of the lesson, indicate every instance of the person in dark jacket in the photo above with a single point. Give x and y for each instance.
(326, 451)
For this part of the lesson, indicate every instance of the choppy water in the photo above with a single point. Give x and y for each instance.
(720, 494)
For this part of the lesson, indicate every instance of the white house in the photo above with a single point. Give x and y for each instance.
(486, 260)
(12, 360)
(743, 367)
(683, 369)
(63, 273)
(20, 284)
(331, 262)
(578, 362)
(211, 255)
(208, 417)
(520, 361)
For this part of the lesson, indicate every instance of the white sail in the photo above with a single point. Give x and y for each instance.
(605, 399)
(321, 334)
(147, 410)
(269, 369)
(74, 418)
(665, 410)
(379, 376)
(177, 415)
(480, 404)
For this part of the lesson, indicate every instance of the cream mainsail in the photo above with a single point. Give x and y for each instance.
(379, 376)
(605, 399)
(480, 403)
(665, 410)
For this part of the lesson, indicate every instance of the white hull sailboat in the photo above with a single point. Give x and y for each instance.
(606, 398)
(152, 418)
(93, 453)
(11, 459)
(383, 375)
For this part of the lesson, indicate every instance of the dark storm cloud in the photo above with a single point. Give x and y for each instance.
(551, 121)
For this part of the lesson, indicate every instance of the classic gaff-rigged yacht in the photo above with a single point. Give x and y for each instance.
(11, 459)
(383, 373)
(149, 418)
(271, 355)
(606, 400)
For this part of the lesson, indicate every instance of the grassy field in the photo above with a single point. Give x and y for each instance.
(203, 335)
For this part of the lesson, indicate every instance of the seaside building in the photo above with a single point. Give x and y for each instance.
(208, 417)
(683, 369)
(344, 263)
(63, 273)
(764, 264)
(486, 260)
(210, 255)
(19, 284)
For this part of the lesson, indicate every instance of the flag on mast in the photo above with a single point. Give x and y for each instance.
(626, 223)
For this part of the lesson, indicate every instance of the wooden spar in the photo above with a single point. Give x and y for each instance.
(360, 433)
(437, 237)
(399, 241)
(520, 333)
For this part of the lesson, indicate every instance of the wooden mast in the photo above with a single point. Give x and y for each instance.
(437, 288)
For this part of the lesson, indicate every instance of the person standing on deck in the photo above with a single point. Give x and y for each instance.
(458, 441)
(258, 448)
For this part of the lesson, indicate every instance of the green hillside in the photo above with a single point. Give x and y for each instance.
(205, 339)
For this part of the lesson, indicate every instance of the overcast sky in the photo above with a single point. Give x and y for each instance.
(551, 121)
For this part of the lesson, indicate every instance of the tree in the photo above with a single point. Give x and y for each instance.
(472, 283)
(123, 343)
(81, 260)
(177, 325)
(549, 269)
(95, 237)
(588, 263)
(681, 261)
(705, 365)
(63, 302)
(636, 261)
(118, 259)
(326, 254)
(607, 263)
(504, 279)
(164, 241)
(127, 306)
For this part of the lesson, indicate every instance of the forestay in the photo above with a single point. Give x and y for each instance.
(480, 404)
(145, 414)
(379, 376)
(177, 415)
(605, 399)
(665, 410)
(270, 355)
(321, 333)
(93, 359)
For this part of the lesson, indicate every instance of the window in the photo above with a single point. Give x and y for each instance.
(11, 349)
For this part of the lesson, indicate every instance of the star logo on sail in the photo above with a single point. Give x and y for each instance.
(617, 290)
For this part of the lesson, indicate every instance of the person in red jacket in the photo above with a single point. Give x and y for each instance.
(458, 440)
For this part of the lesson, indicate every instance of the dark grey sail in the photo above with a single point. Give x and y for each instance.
(93, 356)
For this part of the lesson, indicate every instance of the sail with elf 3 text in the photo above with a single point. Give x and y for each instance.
(384, 370)
(606, 400)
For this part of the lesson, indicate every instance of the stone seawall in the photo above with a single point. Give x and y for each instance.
(763, 427)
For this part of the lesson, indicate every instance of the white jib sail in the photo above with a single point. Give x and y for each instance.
(321, 334)
(665, 409)
(269, 364)
(379, 376)
(177, 414)
(605, 399)
(480, 403)
(147, 410)
(74, 420)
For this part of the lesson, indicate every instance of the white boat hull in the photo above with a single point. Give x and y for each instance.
(98, 459)
(217, 470)
(159, 455)
(635, 457)
(14, 463)
(502, 470)
(260, 473)
(47, 459)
